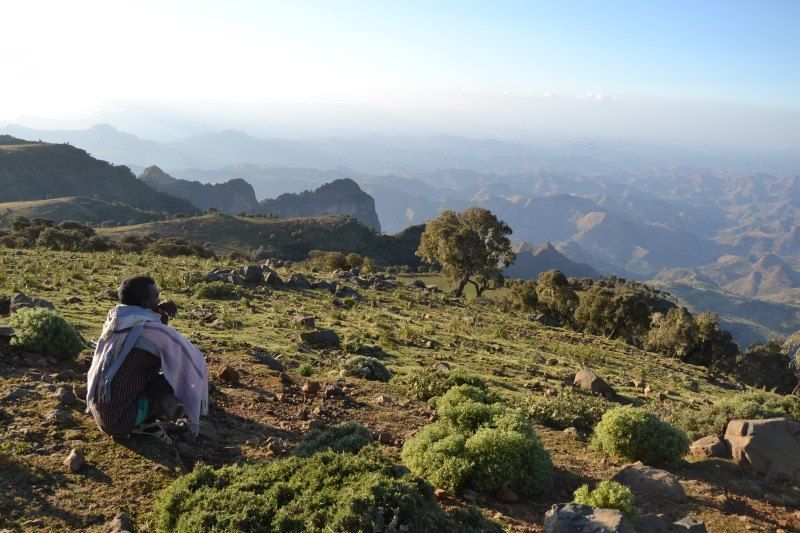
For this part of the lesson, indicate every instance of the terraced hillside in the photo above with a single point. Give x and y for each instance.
(409, 329)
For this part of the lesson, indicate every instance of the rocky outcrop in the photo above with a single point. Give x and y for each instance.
(573, 517)
(710, 446)
(588, 380)
(769, 448)
(233, 196)
(650, 484)
(339, 197)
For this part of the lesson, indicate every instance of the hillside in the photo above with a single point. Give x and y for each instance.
(532, 261)
(40, 171)
(233, 196)
(749, 320)
(284, 238)
(409, 329)
(80, 209)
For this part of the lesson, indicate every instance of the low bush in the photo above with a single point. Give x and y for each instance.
(217, 290)
(345, 437)
(567, 410)
(479, 445)
(635, 434)
(366, 368)
(713, 419)
(327, 491)
(45, 332)
(426, 384)
(608, 495)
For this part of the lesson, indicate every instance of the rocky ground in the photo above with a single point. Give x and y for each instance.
(269, 387)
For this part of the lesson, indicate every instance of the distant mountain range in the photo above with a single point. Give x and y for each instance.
(533, 260)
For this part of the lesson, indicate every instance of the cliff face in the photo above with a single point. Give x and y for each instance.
(339, 197)
(37, 171)
(231, 197)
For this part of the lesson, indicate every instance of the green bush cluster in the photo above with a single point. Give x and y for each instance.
(366, 368)
(608, 495)
(45, 332)
(479, 445)
(345, 437)
(217, 290)
(429, 384)
(576, 410)
(327, 491)
(635, 434)
(713, 419)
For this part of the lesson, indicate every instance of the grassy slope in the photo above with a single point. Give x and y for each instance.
(504, 348)
(77, 208)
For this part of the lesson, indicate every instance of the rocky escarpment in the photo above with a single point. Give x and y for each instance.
(234, 196)
(339, 197)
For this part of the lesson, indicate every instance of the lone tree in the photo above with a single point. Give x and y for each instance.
(471, 247)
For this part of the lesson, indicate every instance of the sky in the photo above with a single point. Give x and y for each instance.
(700, 70)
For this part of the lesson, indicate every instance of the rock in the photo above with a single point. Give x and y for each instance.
(348, 292)
(576, 518)
(208, 430)
(6, 332)
(383, 437)
(551, 393)
(470, 495)
(660, 523)
(543, 319)
(316, 423)
(273, 279)
(326, 338)
(65, 396)
(650, 484)
(285, 378)
(74, 461)
(571, 432)
(253, 274)
(119, 524)
(229, 374)
(334, 390)
(440, 367)
(507, 495)
(74, 300)
(299, 281)
(384, 400)
(639, 383)
(59, 417)
(21, 301)
(769, 448)
(691, 523)
(588, 380)
(305, 321)
(647, 390)
(18, 393)
(711, 446)
(439, 493)
(418, 284)
(311, 387)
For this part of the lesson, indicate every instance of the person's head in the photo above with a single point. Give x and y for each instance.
(139, 290)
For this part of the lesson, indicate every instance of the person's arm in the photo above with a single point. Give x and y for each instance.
(167, 310)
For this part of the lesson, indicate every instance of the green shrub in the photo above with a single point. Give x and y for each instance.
(608, 495)
(635, 434)
(713, 419)
(366, 368)
(479, 445)
(217, 290)
(567, 410)
(327, 491)
(426, 385)
(305, 370)
(345, 437)
(45, 332)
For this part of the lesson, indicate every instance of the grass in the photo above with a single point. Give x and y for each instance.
(502, 348)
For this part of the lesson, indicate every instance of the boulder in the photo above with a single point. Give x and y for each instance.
(650, 484)
(74, 461)
(305, 321)
(311, 387)
(253, 274)
(574, 518)
(588, 380)
(120, 524)
(299, 281)
(266, 359)
(418, 284)
(769, 448)
(273, 279)
(348, 292)
(21, 301)
(711, 446)
(65, 396)
(321, 337)
(229, 374)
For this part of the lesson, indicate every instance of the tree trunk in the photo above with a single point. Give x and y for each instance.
(460, 289)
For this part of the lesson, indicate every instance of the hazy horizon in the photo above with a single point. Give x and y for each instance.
(719, 75)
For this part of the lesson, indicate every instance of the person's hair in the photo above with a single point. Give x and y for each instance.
(133, 291)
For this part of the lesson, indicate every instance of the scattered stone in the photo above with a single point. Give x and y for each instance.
(769, 448)
(6, 332)
(21, 301)
(647, 390)
(18, 393)
(333, 390)
(418, 284)
(573, 517)
(321, 338)
(273, 279)
(299, 281)
(384, 400)
(660, 523)
(266, 359)
(65, 396)
(120, 524)
(711, 446)
(507, 495)
(59, 417)
(440, 367)
(311, 387)
(650, 484)
(208, 430)
(285, 378)
(383, 437)
(74, 461)
(229, 374)
(470, 495)
(305, 321)
(543, 319)
(639, 383)
(74, 300)
(551, 393)
(588, 380)
(571, 432)
(316, 423)
(253, 274)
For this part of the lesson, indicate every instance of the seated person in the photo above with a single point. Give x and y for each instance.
(143, 369)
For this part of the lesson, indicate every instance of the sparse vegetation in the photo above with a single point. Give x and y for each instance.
(635, 434)
(217, 290)
(608, 495)
(347, 437)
